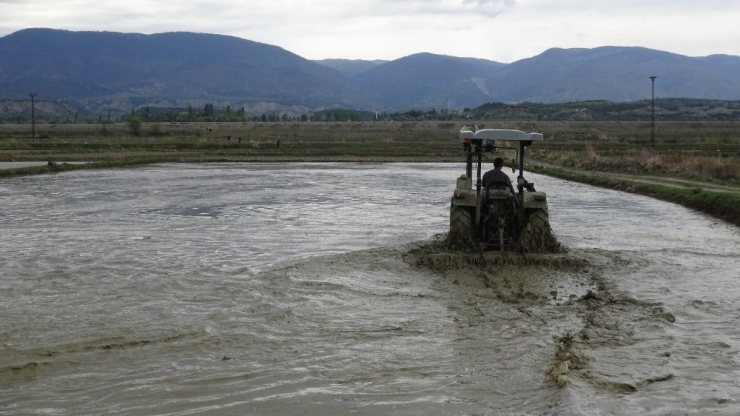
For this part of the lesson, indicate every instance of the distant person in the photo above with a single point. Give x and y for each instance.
(496, 175)
(278, 143)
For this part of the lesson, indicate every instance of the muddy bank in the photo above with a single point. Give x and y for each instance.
(40, 168)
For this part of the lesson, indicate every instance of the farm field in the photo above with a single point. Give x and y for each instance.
(696, 164)
(695, 150)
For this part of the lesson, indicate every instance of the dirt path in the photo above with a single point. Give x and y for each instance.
(676, 183)
(679, 183)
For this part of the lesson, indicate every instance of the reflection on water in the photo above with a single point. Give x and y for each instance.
(220, 289)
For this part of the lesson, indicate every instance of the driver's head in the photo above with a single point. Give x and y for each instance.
(498, 163)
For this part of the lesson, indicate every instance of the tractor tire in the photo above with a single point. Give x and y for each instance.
(461, 228)
(537, 235)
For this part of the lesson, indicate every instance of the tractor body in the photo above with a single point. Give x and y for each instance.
(494, 218)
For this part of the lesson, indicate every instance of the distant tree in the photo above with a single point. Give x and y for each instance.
(263, 118)
(304, 118)
(156, 128)
(208, 110)
(134, 125)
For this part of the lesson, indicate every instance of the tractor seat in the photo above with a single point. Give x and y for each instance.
(498, 187)
(497, 191)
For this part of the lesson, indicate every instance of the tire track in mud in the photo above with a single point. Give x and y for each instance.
(609, 323)
(26, 364)
(622, 345)
(608, 343)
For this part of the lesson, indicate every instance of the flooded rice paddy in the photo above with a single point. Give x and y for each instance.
(298, 289)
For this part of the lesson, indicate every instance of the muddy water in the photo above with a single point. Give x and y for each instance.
(274, 289)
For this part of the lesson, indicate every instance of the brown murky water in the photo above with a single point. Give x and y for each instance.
(298, 289)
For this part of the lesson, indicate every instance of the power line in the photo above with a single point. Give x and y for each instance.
(652, 126)
(33, 115)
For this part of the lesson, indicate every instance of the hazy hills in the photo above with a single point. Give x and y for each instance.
(615, 74)
(104, 71)
(175, 68)
(427, 81)
(351, 67)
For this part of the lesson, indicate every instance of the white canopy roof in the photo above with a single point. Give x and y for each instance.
(498, 134)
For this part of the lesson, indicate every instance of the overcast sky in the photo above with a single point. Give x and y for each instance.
(500, 30)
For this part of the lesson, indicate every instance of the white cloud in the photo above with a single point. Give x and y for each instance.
(503, 30)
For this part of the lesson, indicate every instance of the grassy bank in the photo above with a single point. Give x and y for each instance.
(722, 205)
(696, 165)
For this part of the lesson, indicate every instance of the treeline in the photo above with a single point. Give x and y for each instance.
(666, 109)
(210, 113)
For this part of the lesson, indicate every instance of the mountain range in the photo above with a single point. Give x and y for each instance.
(115, 72)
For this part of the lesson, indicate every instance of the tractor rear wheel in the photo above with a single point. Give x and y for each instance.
(461, 228)
(537, 235)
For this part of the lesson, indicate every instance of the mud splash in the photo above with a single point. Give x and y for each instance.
(511, 277)
(439, 255)
(537, 237)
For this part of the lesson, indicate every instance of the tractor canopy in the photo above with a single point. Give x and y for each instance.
(498, 134)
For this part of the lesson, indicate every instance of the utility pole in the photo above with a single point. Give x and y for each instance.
(652, 126)
(33, 115)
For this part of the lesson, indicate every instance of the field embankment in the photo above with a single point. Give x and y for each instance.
(696, 165)
(718, 201)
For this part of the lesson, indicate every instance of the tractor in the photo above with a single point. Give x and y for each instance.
(492, 217)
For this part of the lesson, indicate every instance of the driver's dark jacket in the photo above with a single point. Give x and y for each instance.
(497, 175)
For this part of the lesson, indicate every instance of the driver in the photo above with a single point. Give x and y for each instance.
(496, 175)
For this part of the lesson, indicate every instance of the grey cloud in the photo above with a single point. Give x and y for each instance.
(487, 3)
